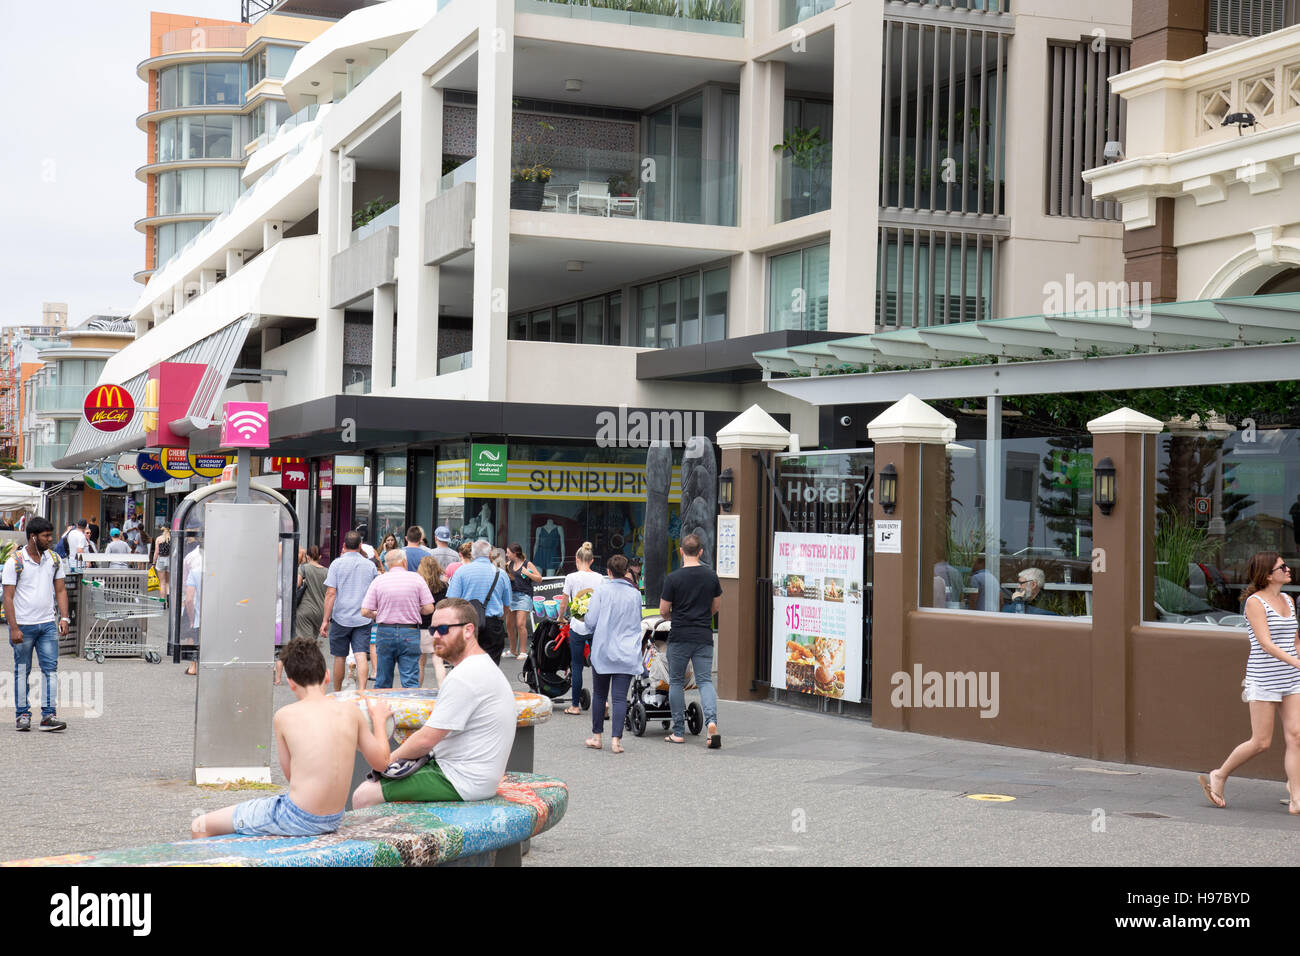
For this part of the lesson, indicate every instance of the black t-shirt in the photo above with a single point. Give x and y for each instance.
(691, 591)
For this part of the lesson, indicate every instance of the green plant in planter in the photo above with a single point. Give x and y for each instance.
(536, 156)
(811, 152)
(375, 207)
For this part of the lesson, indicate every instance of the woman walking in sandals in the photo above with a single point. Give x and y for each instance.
(1272, 676)
(614, 617)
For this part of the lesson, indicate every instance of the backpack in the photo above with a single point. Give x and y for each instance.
(61, 549)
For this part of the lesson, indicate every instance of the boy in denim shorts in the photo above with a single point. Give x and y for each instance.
(315, 738)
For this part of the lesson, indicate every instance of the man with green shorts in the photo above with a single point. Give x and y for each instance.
(472, 727)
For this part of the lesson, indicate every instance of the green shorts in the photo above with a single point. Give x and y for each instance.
(426, 785)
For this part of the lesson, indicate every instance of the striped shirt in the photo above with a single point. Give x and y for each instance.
(1263, 669)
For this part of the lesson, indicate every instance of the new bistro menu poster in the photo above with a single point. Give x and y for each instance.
(817, 614)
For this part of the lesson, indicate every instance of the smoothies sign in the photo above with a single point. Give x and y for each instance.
(817, 614)
(108, 408)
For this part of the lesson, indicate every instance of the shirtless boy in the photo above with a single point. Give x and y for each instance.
(316, 739)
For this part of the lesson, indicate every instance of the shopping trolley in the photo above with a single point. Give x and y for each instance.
(119, 614)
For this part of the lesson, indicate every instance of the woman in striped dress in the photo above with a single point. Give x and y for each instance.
(1272, 676)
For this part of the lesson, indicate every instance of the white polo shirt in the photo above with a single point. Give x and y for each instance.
(34, 589)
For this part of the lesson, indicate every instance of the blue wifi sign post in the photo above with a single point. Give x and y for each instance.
(488, 463)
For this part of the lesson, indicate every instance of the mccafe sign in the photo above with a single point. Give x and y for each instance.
(109, 408)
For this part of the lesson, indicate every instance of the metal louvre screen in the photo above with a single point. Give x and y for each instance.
(928, 277)
(1252, 18)
(1084, 115)
(944, 119)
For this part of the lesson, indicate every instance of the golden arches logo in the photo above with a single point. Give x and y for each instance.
(109, 408)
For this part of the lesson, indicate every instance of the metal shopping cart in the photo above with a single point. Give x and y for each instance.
(119, 614)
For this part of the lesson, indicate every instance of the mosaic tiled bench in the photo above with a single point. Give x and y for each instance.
(484, 833)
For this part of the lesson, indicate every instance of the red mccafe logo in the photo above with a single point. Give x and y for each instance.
(109, 408)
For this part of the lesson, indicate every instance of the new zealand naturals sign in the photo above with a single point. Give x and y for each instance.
(488, 463)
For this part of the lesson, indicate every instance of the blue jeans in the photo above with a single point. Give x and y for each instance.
(44, 638)
(618, 709)
(397, 644)
(578, 644)
(700, 657)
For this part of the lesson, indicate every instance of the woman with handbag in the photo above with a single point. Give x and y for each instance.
(1272, 683)
(309, 596)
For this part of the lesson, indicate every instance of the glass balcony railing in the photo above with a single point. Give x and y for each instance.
(386, 218)
(722, 17)
(466, 172)
(305, 115)
(803, 184)
(796, 11)
(60, 398)
(622, 185)
(455, 363)
(44, 456)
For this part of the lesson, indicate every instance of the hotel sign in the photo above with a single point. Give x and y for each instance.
(109, 408)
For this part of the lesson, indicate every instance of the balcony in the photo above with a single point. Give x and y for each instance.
(720, 17)
(205, 38)
(60, 398)
(623, 185)
(44, 456)
(803, 184)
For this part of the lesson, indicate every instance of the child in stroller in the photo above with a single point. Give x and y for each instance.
(649, 691)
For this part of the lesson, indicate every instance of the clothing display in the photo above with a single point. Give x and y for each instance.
(548, 547)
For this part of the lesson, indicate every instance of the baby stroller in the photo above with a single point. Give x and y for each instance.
(547, 666)
(649, 690)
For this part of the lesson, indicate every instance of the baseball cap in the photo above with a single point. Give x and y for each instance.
(115, 533)
(442, 533)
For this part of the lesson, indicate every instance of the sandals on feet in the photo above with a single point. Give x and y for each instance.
(615, 746)
(674, 739)
(715, 738)
(592, 742)
(575, 711)
(1216, 799)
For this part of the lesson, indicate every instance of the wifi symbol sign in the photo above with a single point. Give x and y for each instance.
(245, 425)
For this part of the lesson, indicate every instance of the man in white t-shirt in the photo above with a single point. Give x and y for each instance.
(78, 543)
(471, 730)
(33, 584)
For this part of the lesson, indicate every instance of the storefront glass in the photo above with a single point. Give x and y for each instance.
(1041, 512)
(1220, 497)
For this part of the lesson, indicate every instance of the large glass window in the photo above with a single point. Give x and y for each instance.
(647, 297)
(566, 323)
(717, 284)
(669, 311)
(219, 137)
(220, 189)
(1220, 497)
(542, 325)
(1016, 532)
(593, 322)
(799, 289)
(616, 319)
(167, 151)
(222, 84)
(167, 95)
(190, 77)
(690, 310)
(278, 60)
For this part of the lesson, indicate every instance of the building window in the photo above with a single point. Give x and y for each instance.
(198, 137)
(799, 289)
(943, 132)
(200, 84)
(933, 278)
(1084, 115)
(668, 311)
(185, 191)
(592, 321)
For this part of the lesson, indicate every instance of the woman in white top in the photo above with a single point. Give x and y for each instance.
(583, 579)
(1272, 676)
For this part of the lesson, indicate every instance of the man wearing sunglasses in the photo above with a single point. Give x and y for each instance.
(471, 730)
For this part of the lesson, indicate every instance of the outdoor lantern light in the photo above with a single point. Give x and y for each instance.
(887, 488)
(726, 489)
(1103, 485)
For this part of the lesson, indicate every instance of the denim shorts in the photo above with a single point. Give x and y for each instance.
(344, 639)
(521, 602)
(280, 816)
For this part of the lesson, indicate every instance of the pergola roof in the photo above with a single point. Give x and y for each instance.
(1211, 341)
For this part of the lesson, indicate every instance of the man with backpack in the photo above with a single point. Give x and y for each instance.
(33, 582)
(76, 543)
(483, 584)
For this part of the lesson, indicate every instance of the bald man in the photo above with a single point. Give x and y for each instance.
(396, 599)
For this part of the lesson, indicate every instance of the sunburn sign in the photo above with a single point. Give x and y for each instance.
(109, 408)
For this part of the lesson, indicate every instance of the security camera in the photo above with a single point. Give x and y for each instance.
(845, 421)
(1114, 151)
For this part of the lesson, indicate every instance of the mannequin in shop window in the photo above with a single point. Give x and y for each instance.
(480, 527)
(548, 546)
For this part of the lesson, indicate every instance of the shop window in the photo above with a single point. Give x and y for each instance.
(1219, 499)
(1040, 561)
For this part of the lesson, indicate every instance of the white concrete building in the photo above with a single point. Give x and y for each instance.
(389, 272)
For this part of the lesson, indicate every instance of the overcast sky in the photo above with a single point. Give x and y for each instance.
(68, 192)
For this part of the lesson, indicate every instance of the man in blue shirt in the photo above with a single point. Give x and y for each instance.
(480, 580)
(346, 583)
(415, 552)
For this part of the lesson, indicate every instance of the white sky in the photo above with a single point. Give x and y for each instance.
(68, 192)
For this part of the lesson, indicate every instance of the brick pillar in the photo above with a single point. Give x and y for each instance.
(1119, 540)
(1162, 30)
(753, 431)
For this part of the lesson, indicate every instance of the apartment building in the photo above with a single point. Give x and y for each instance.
(17, 350)
(212, 96)
(495, 221)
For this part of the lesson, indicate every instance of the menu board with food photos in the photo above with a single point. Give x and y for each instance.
(817, 614)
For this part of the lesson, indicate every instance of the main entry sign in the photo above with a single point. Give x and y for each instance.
(108, 408)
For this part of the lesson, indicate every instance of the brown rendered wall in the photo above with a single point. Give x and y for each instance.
(736, 664)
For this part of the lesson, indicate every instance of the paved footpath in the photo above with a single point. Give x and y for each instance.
(788, 787)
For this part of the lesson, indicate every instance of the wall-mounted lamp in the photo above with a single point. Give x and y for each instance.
(1103, 485)
(726, 489)
(887, 488)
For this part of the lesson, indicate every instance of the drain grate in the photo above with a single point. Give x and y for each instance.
(1149, 815)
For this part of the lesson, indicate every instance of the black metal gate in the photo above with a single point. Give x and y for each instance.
(848, 511)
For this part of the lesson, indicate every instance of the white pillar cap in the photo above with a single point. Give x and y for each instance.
(1125, 421)
(911, 420)
(754, 428)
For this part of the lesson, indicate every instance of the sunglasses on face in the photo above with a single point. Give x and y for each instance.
(1282, 567)
(442, 629)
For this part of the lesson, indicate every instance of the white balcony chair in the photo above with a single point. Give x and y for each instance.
(591, 196)
(627, 205)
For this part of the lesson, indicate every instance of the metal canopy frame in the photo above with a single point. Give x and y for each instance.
(1213, 341)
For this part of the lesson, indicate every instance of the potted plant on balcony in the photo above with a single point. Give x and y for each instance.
(528, 180)
(375, 207)
(810, 154)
